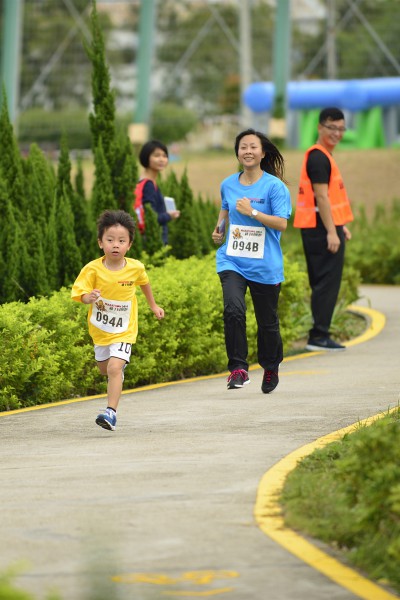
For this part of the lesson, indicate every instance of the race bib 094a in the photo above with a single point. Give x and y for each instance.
(111, 316)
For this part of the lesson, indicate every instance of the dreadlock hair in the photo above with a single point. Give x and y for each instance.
(273, 161)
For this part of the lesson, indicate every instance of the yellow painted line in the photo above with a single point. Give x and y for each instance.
(195, 578)
(203, 594)
(268, 512)
(269, 517)
(377, 322)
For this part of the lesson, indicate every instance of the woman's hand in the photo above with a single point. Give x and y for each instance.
(244, 207)
(217, 237)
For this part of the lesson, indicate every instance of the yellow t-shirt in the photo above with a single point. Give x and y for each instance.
(114, 316)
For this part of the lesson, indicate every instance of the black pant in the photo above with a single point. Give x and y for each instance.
(265, 300)
(325, 275)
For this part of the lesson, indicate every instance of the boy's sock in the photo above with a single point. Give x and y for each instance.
(111, 408)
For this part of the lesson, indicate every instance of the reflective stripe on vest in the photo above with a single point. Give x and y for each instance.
(306, 209)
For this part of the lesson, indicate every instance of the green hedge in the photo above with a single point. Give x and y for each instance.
(169, 122)
(373, 251)
(348, 494)
(47, 354)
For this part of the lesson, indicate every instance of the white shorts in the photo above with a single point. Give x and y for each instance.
(120, 350)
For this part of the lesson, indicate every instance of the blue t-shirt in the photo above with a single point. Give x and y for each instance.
(270, 196)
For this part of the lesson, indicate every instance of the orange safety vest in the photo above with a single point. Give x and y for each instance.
(306, 209)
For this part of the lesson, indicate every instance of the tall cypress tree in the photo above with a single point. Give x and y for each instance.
(52, 249)
(11, 161)
(39, 186)
(102, 193)
(84, 226)
(124, 173)
(70, 262)
(185, 233)
(205, 240)
(102, 119)
(79, 180)
(137, 245)
(170, 187)
(152, 240)
(34, 279)
(11, 250)
(64, 184)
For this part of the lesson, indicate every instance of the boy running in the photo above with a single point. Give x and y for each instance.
(108, 285)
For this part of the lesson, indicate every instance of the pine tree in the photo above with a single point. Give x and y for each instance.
(102, 120)
(52, 249)
(102, 193)
(152, 240)
(136, 249)
(11, 161)
(185, 238)
(85, 227)
(80, 180)
(64, 184)
(34, 278)
(70, 257)
(11, 243)
(39, 186)
(44, 175)
(205, 240)
(170, 187)
(124, 173)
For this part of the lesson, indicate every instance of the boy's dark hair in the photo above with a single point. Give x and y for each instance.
(272, 162)
(115, 217)
(332, 114)
(148, 149)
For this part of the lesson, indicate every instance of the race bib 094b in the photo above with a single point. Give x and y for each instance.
(246, 241)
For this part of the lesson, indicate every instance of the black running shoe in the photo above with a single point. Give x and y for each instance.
(324, 344)
(270, 381)
(237, 379)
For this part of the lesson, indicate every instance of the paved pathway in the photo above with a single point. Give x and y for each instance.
(165, 504)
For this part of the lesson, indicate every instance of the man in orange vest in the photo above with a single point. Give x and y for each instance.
(322, 211)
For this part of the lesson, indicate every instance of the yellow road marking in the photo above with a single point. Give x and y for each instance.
(196, 578)
(199, 594)
(269, 517)
(268, 513)
(377, 324)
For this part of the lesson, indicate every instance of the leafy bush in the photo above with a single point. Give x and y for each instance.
(172, 122)
(374, 249)
(348, 494)
(51, 361)
(48, 356)
(46, 128)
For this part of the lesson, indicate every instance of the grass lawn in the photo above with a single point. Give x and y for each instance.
(370, 176)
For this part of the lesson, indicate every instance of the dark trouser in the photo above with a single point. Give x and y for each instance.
(265, 301)
(324, 273)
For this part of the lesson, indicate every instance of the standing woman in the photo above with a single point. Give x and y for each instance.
(154, 158)
(257, 205)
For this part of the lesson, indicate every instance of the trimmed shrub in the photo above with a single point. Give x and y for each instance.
(48, 355)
